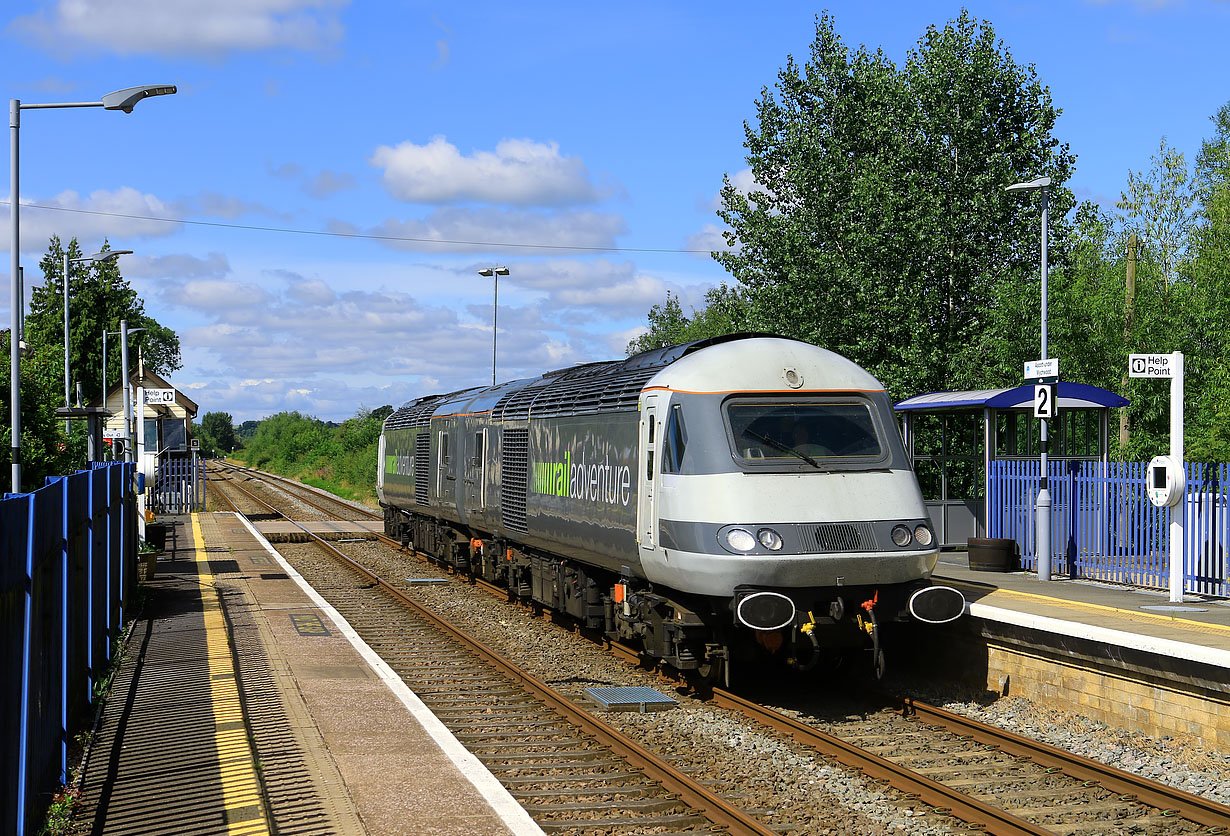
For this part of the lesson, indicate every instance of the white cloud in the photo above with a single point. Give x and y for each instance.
(175, 27)
(179, 266)
(520, 172)
(709, 239)
(109, 222)
(326, 183)
(213, 295)
(467, 229)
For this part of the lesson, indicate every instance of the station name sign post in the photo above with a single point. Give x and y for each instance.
(1162, 366)
(1045, 374)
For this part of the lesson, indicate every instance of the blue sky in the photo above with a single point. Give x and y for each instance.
(560, 124)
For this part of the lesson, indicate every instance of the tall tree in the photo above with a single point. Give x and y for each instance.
(725, 312)
(99, 297)
(879, 226)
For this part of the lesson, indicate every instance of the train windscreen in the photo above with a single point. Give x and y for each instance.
(807, 432)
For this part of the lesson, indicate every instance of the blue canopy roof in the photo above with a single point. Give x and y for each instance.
(1071, 396)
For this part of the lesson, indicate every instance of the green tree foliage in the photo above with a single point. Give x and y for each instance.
(878, 225)
(99, 297)
(216, 434)
(340, 458)
(725, 312)
(1208, 278)
(45, 451)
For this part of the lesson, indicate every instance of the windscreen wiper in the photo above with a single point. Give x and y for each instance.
(785, 448)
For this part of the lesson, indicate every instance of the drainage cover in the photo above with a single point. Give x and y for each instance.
(630, 698)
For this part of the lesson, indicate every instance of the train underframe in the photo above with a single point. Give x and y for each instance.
(699, 636)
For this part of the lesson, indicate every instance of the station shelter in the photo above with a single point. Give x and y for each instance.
(164, 450)
(953, 437)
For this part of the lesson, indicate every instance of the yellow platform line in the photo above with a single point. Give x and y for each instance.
(237, 765)
(1130, 615)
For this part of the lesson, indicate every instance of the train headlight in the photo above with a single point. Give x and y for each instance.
(923, 535)
(901, 535)
(740, 539)
(770, 539)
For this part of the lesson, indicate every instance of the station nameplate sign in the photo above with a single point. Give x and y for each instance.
(1042, 368)
(1150, 365)
(159, 396)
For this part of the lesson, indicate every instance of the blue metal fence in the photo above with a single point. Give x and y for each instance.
(1104, 527)
(178, 486)
(67, 572)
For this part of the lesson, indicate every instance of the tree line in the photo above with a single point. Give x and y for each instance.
(878, 226)
(100, 297)
(340, 458)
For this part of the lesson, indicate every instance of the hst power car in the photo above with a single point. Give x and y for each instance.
(734, 496)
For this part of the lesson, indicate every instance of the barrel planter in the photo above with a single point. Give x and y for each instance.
(156, 536)
(992, 554)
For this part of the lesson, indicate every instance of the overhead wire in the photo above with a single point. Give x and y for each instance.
(364, 235)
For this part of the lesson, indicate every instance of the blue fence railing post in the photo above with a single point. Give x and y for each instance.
(23, 743)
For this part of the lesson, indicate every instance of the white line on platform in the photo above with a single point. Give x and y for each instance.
(1117, 638)
(505, 806)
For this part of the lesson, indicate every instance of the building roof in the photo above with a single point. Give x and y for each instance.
(146, 378)
(1071, 396)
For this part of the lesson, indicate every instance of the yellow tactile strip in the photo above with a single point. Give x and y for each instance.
(240, 786)
(1109, 612)
(171, 753)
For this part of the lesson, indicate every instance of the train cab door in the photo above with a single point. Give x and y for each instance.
(647, 493)
(475, 473)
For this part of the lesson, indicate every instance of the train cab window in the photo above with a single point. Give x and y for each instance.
(478, 449)
(649, 451)
(444, 449)
(798, 433)
(675, 442)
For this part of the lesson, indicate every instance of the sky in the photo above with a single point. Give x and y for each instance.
(310, 210)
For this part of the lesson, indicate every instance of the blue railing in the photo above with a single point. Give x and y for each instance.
(67, 573)
(178, 486)
(1104, 527)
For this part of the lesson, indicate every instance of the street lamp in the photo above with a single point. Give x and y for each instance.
(1042, 533)
(124, 332)
(106, 255)
(124, 100)
(494, 273)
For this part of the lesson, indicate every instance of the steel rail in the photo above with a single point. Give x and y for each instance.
(1170, 800)
(709, 804)
(273, 477)
(945, 799)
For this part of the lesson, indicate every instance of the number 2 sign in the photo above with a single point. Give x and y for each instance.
(1045, 401)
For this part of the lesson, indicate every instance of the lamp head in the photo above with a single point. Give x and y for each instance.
(127, 98)
(1036, 183)
(493, 271)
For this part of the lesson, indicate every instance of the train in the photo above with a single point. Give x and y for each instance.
(733, 498)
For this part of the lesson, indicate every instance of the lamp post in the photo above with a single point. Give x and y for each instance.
(494, 273)
(1042, 533)
(124, 100)
(124, 332)
(106, 255)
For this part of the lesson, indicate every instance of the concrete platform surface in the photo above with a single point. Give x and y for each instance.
(246, 705)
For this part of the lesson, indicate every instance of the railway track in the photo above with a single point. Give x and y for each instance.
(571, 771)
(997, 782)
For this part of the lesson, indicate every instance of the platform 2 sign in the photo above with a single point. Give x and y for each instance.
(1150, 365)
(1046, 402)
(155, 396)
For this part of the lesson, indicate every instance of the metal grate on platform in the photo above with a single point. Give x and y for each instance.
(630, 698)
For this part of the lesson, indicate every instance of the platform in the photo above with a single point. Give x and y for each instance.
(244, 705)
(1121, 654)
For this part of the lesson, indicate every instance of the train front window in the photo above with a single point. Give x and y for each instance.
(803, 433)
